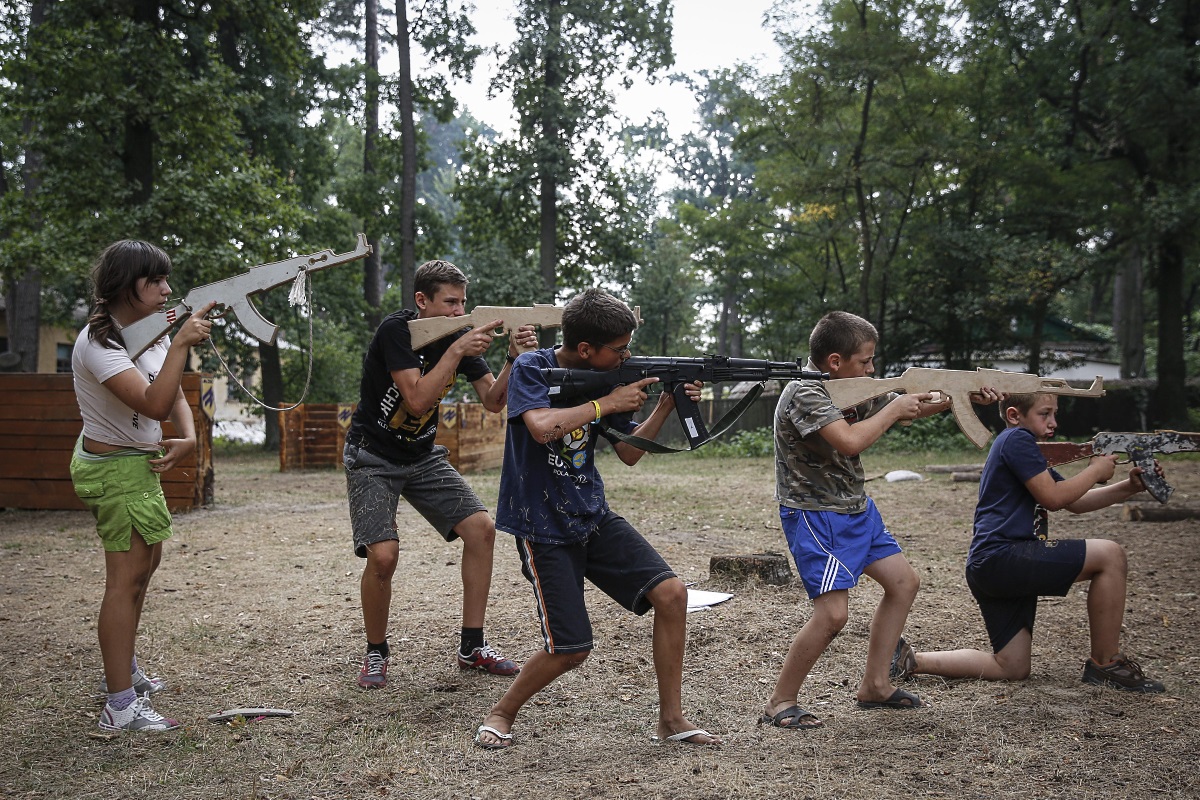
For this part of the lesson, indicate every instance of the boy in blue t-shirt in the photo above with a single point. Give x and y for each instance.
(1012, 561)
(552, 501)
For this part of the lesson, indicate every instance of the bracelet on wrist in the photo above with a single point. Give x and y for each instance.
(596, 403)
(510, 358)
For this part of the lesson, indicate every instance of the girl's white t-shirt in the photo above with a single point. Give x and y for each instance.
(105, 418)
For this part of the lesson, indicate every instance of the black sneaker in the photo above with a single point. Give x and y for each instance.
(1123, 673)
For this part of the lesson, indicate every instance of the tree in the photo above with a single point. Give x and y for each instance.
(442, 32)
(846, 143)
(556, 174)
(720, 211)
(23, 287)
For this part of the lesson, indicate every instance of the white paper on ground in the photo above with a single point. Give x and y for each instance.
(699, 599)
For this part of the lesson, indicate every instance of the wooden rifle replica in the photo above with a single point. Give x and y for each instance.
(1140, 447)
(955, 386)
(542, 315)
(233, 295)
(430, 329)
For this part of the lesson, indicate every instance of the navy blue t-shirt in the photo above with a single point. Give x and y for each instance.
(1006, 511)
(550, 492)
(382, 419)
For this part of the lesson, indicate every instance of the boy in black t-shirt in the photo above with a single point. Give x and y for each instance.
(390, 453)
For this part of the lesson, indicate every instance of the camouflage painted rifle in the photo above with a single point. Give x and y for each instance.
(1140, 447)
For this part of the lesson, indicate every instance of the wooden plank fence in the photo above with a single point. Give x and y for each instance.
(312, 435)
(39, 423)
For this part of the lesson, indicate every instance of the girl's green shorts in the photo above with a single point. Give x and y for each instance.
(123, 494)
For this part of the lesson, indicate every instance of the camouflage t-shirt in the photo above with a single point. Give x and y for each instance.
(810, 473)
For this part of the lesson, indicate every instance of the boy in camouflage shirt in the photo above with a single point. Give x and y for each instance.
(832, 527)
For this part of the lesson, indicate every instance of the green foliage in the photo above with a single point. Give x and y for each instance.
(553, 189)
(756, 443)
(939, 433)
(336, 358)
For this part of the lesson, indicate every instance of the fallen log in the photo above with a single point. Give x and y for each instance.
(953, 467)
(772, 568)
(1156, 512)
(965, 477)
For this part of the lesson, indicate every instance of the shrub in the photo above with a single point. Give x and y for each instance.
(754, 443)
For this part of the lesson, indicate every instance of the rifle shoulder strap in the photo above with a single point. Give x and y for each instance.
(722, 425)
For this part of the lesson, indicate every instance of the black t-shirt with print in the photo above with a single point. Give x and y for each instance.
(382, 421)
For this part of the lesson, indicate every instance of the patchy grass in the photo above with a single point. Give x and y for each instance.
(256, 604)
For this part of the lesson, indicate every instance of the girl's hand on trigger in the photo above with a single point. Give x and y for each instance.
(174, 450)
(198, 328)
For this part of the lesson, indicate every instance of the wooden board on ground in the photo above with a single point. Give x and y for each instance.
(1157, 512)
(948, 468)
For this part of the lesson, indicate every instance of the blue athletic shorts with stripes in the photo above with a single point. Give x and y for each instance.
(832, 549)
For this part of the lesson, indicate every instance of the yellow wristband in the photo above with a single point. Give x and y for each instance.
(596, 403)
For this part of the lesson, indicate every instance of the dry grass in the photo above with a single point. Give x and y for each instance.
(256, 604)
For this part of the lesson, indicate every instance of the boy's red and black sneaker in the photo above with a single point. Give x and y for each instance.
(488, 659)
(1123, 673)
(374, 671)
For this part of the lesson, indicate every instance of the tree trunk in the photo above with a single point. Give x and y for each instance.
(272, 389)
(23, 298)
(1037, 322)
(1129, 318)
(550, 161)
(408, 150)
(373, 264)
(137, 152)
(1172, 392)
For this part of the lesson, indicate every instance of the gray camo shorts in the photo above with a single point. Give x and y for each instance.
(375, 485)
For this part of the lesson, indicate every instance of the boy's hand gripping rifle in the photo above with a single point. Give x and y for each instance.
(1140, 447)
(233, 295)
(956, 385)
(675, 374)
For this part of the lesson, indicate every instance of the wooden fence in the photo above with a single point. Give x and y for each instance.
(312, 435)
(40, 422)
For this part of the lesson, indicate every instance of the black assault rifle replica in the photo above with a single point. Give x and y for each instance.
(674, 374)
(232, 295)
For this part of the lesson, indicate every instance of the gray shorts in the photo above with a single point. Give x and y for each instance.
(375, 485)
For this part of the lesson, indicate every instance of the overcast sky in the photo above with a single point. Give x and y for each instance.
(708, 34)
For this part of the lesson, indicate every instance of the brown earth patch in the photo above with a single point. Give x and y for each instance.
(256, 604)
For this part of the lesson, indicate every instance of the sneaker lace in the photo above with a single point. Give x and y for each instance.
(1135, 669)
(375, 663)
(489, 652)
(143, 709)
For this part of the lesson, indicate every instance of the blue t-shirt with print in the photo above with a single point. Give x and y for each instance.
(550, 492)
(1006, 511)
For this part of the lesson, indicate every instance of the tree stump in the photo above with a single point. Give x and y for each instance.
(772, 568)
(1156, 512)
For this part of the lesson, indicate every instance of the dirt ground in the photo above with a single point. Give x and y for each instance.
(256, 604)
